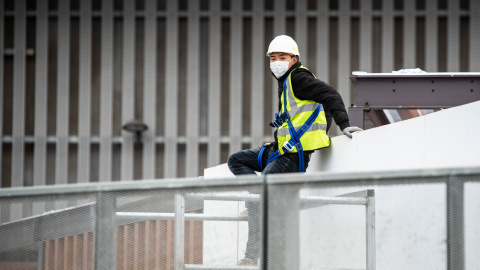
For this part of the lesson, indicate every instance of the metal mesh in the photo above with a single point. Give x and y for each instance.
(415, 222)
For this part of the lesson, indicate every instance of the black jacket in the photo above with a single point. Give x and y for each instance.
(307, 87)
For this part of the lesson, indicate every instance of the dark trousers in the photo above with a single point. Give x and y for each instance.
(246, 162)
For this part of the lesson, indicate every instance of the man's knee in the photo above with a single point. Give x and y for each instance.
(232, 160)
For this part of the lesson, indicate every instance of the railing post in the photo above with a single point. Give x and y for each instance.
(370, 216)
(105, 236)
(179, 231)
(455, 223)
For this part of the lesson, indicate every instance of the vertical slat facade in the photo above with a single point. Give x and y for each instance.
(214, 83)
(344, 43)
(431, 42)
(19, 94)
(409, 34)
(258, 67)
(85, 92)
(63, 91)
(2, 58)
(366, 35)
(388, 45)
(453, 44)
(128, 87)
(171, 93)
(322, 41)
(474, 36)
(41, 93)
(236, 76)
(106, 92)
(149, 91)
(193, 88)
(50, 138)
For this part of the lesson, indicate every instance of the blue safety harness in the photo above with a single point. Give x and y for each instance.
(294, 134)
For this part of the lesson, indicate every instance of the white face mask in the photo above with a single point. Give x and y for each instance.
(279, 68)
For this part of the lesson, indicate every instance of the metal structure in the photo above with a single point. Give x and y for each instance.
(101, 208)
(194, 71)
(376, 92)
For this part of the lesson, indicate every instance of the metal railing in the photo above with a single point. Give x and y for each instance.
(102, 207)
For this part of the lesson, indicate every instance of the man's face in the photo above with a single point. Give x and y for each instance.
(280, 56)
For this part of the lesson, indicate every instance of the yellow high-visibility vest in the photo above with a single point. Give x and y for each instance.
(299, 111)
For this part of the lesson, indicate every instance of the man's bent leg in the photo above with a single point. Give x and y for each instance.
(244, 162)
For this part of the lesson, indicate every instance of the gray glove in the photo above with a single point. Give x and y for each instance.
(348, 131)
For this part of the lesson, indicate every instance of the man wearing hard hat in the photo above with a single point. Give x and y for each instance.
(306, 107)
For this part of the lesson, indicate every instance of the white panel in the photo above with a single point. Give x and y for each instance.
(323, 33)
(85, 92)
(214, 93)
(19, 95)
(193, 88)
(409, 34)
(41, 91)
(106, 96)
(344, 69)
(128, 84)
(388, 46)
(366, 36)
(453, 46)
(431, 42)
(301, 29)
(236, 77)
(258, 69)
(149, 91)
(416, 145)
(171, 92)
(474, 36)
(63, 89)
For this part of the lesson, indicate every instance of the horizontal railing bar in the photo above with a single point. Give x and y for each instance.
(334, 200)
(199, 266)
(171, 216)
(225, 197)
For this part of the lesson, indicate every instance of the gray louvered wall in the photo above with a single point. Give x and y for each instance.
(73, 72)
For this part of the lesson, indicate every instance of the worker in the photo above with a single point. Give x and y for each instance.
(306, 106)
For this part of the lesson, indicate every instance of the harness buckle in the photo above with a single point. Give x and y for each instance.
(288, 145)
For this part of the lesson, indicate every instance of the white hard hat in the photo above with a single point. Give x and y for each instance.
(283, 43)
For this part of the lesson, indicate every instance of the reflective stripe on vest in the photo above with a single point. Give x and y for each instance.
(299, 111)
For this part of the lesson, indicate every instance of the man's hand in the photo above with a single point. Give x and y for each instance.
(348, 131)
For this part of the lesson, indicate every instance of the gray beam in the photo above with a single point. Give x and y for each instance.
(323, 33)
(388, 47)
(257, 99)
(19, 95)
(214, 92)
(63, 90)
(366, 26)
(128, 84)
(431, 39)
(453, 34)
(236, 77)
(85, 92)
(279, 28)
(171, 94)
(474, 36)
(41, 93)
(150, 89)
(106, 89)
(193, 89)
(409, 34)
